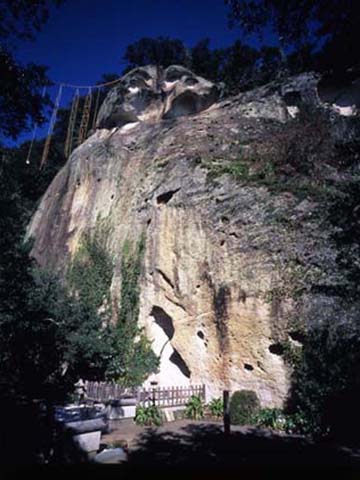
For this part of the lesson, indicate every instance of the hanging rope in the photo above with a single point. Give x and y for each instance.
(72, 119)
(92, 87)
(27, 161)
(71, 125)
(96, 108)
(85, 118)
(51, 128)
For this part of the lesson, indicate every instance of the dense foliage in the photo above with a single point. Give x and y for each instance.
(194, 408)
(158, 51)
(131, 358)
(148, 416)
(21, 102)
(326, 383)
(216, 407)
(239, 66)
(318, 34)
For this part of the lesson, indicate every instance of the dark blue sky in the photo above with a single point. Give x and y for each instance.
(85, 38)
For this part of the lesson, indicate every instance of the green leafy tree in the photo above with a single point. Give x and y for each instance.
(323, 31)
(162, 51)
(131, 359)
(207, 62)
(326, 384)
(240, 67)
(20, 85)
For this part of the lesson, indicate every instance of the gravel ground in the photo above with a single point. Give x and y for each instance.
(201, 444)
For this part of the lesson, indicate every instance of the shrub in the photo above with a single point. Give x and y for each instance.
(195, 408)
(216, 407)
(276, 419)
(298, 423)
(270, 418)
(148, 416)
(244, 404)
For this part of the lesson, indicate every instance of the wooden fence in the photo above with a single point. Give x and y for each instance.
(160, 396)
(105, 392)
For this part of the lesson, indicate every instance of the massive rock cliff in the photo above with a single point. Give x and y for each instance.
(233, 247)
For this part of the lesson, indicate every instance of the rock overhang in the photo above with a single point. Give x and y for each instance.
(152, 93)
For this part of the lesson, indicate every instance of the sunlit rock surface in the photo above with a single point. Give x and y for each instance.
(216, 248)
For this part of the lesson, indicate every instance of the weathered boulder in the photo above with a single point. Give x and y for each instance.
(151, 93)
(225, 254)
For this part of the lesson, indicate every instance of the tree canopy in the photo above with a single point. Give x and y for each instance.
(325, 31)
(158, 51)
(21, 102)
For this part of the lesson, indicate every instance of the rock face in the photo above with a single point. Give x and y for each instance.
(152, 93)
(217, 250)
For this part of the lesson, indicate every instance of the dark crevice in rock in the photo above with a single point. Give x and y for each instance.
(276, 349)
(177, 360)
(163, 320)
(166, 197)
(175, 303)
(297, 336)
(166, 278)
(242, 296)
(292, 99)
(249, 367)
(201, 335)
(220, 302)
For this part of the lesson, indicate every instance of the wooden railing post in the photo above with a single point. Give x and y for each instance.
(226, 412)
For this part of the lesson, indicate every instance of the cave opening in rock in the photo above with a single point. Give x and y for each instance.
(177, 360)
(248, 367)
(292, 99)
(166, 197)
(297, 336)
(163, 320)
(276, 349)
(185, 104)
(201, 335)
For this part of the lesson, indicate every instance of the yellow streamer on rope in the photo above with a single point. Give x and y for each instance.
(72, 119)
(45, 153)
(85, 118)
(71, 125)
(96, 108)
(27, 161)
